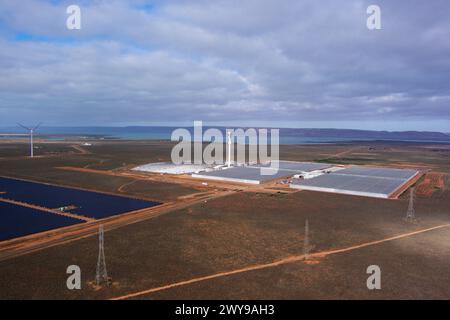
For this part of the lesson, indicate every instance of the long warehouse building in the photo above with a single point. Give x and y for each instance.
(260, 173)
(361, 181)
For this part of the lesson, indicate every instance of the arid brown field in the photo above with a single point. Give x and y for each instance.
(247, 244)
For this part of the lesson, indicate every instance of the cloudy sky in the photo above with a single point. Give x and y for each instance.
(278, 63)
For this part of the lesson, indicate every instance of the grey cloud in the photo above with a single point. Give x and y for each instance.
(225, 61)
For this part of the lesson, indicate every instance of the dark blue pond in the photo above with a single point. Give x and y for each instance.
(89, 204)
(17, 221)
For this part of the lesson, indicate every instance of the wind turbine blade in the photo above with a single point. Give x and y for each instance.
(37, 126)
(26, 128)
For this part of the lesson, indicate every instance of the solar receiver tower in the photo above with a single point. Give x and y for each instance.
(102, 274)
(410, 215)
(31, 131)
(229, 148)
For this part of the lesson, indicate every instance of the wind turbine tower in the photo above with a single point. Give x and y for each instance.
(31, 131)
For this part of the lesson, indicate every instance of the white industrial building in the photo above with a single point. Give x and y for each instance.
(171, 168)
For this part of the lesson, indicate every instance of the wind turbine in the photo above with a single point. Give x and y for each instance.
(31, 130)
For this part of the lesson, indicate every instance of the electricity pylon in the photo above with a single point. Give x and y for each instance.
(306, 246)
(410, 214)
(101, 274)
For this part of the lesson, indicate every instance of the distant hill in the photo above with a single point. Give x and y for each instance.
(298, 135)
(367, 134)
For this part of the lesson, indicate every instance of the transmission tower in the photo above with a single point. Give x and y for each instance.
(410, 214)
(101, 274)
(306, 246)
